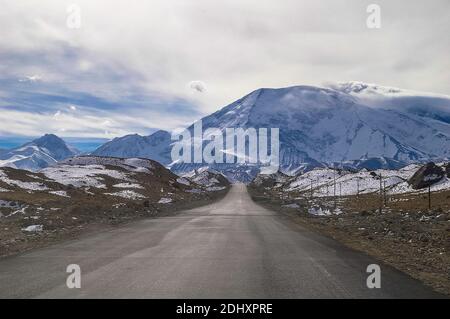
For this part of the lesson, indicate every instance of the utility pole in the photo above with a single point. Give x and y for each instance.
(381, 193)
(429, 197)
(340, 189)
(357, 186)
(334, 185)
(334, 182)
(385, 194)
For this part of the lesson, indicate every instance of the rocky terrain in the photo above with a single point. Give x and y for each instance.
(89, 192)
(399, 225)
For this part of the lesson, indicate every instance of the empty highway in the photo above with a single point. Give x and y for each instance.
(230, 249)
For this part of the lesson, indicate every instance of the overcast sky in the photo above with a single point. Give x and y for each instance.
(134, 66)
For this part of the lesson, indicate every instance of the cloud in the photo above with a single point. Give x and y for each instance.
(197, 86)
(68, 124)
(135, 60)
(31, 78)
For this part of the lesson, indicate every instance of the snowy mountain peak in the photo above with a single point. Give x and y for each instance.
(155, 147)
(40, 153)
(322, 126)
(55, 146)
(266, 106)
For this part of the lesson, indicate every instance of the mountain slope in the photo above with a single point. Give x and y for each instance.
(155, 147)
(329, 125)
(323, 126)
(40, 153)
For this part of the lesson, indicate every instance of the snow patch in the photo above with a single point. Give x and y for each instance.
(33, 228)
(130, 164)
(128, 185)
(32, 186)
(165, 200)
(59, 193)
(319, 211)
(128, 194)
(82, 175)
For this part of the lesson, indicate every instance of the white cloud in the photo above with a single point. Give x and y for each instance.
(82, 124)
(31, 78)
(197, 86)
(233, 46)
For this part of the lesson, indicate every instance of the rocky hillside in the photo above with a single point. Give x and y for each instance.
(84, 190)
(209, 178)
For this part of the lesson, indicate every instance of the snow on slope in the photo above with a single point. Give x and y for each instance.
(89, 171)
(128, 185)
(30, 186)
(132, 164)
(207, 177)
(128, 194)
(40, 153)
(324, 180)
(82, 175)
(156, 147)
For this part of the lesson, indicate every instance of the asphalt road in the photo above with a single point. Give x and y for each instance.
(231, 249)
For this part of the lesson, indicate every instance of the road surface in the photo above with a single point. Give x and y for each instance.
(230, 249)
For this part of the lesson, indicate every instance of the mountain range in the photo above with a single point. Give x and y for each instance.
(351, 124)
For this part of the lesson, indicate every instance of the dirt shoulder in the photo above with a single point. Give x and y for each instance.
(403, 234)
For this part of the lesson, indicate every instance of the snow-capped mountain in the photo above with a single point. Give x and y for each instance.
(347, 124)
(327, 126)
(156, 147)
(40, 153)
